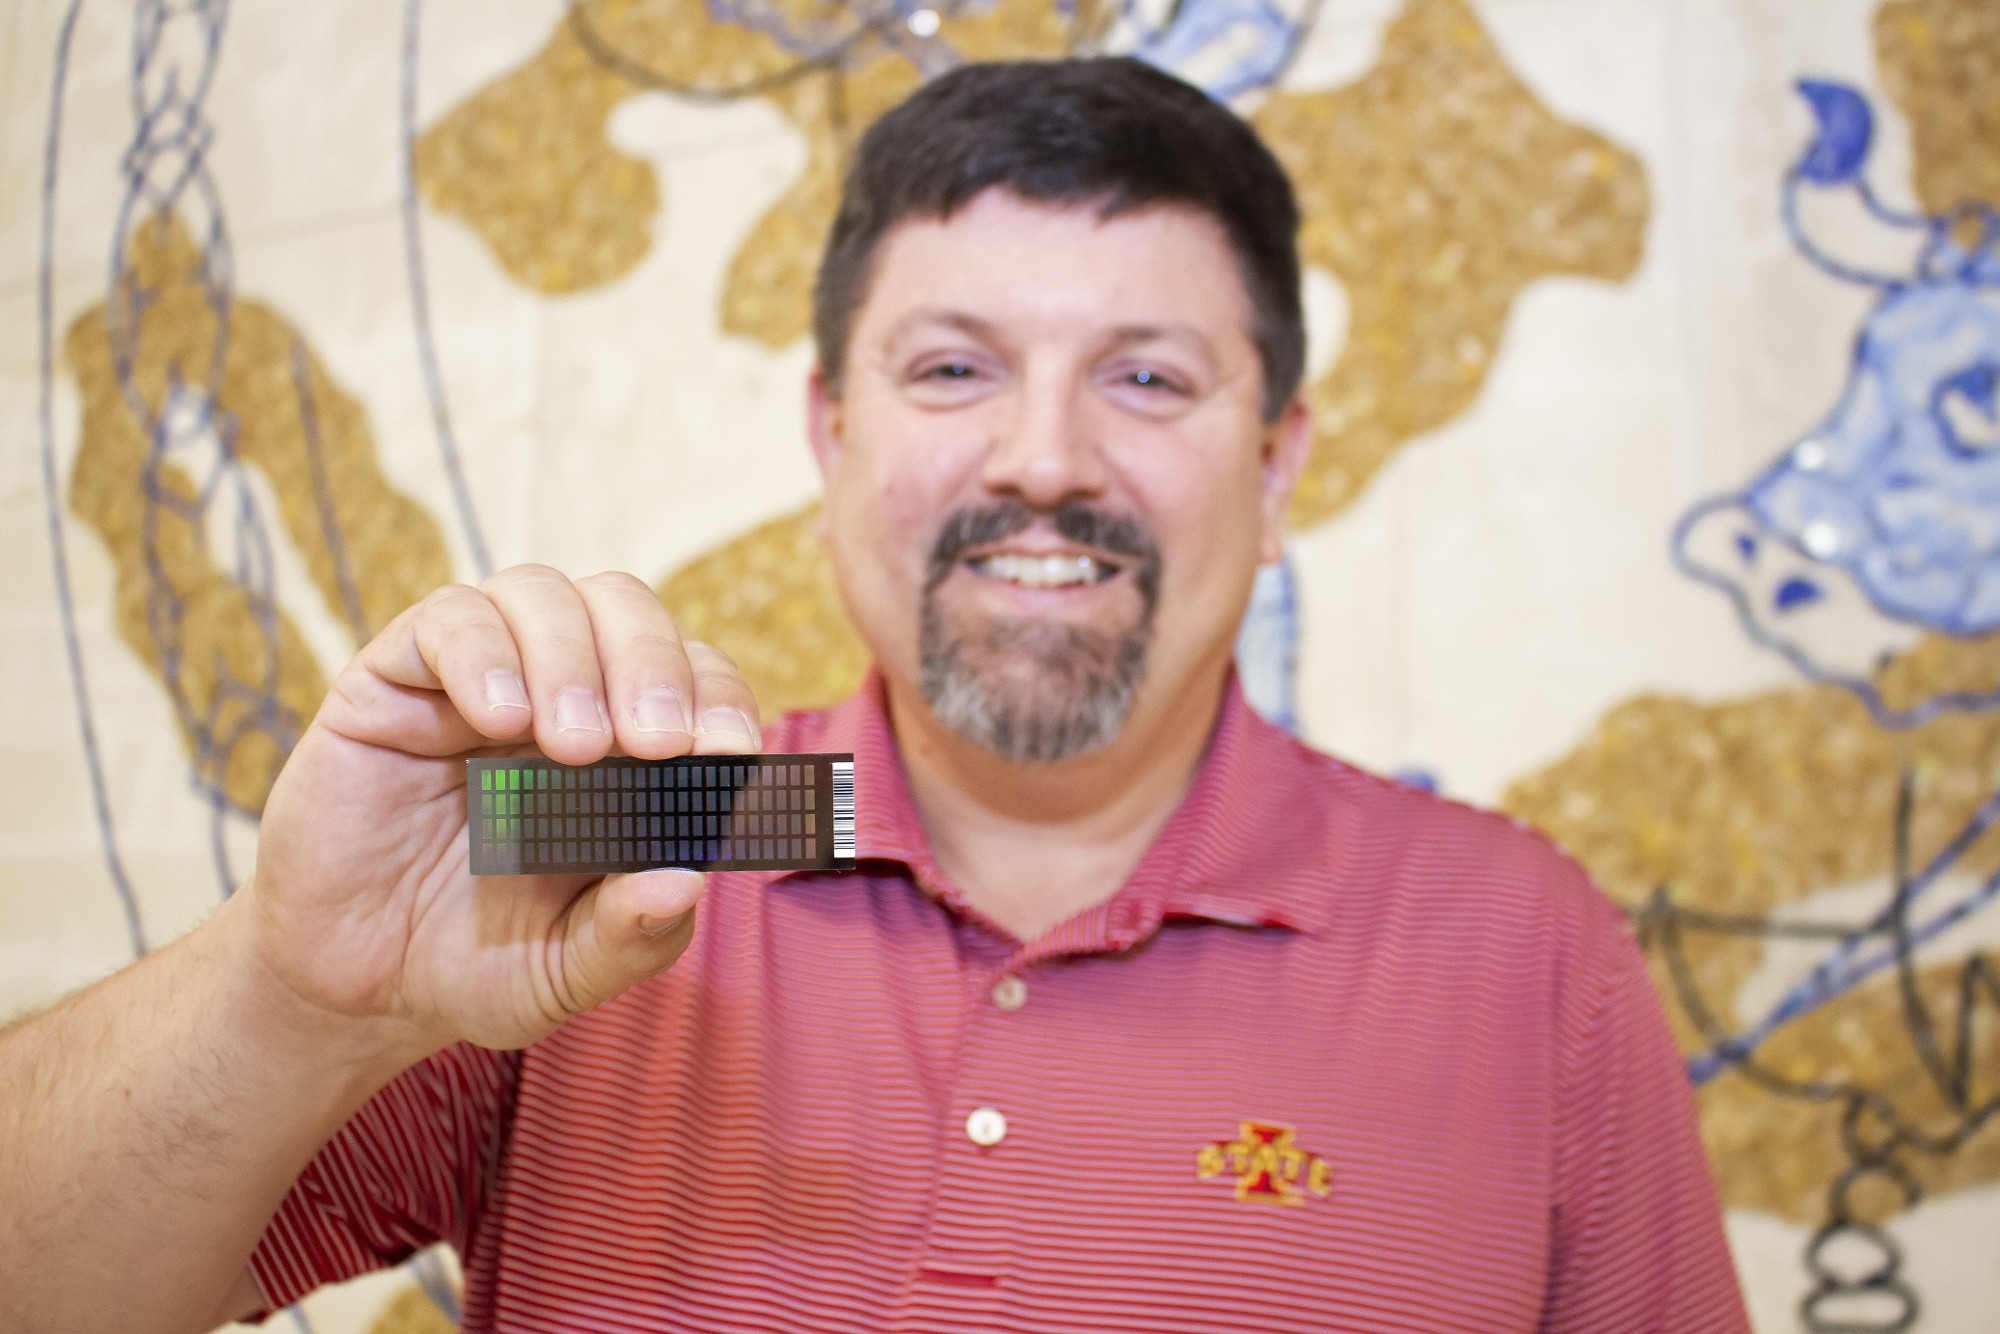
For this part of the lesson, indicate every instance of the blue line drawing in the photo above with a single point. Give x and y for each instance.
(420, 301)
(166, 174)
(1881, 524)
(188, 434)
(429, 1271)
(1225, 47)
(1267, 645)
(1255, 40)
(52, 490)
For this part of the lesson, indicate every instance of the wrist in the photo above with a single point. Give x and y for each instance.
(355, 1052)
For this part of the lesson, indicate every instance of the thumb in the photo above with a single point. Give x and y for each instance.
(625, 929)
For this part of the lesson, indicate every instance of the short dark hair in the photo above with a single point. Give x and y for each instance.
(1112, 131)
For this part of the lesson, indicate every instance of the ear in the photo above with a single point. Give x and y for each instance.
(1287, 446)
(824, 425)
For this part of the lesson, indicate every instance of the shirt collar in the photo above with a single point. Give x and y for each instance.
(1248, 846)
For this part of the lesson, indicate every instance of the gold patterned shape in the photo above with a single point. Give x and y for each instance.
(1435, 188)
(1940, 60)
(370, 550)
(768, 295)
(526, 163)
(1741, 807)
(768, 600)
(411, 1312)
(1780, 1154)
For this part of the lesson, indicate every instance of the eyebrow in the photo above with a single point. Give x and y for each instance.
(950, 319)
(1127, 334)
(1124, 335)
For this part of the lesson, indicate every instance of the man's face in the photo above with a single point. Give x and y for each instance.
(1048, 482)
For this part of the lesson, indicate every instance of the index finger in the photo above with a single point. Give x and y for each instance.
(452, 667)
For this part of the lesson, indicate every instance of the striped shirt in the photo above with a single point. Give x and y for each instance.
(1338, 1055)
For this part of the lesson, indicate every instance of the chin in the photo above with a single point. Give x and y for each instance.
(1032, 691)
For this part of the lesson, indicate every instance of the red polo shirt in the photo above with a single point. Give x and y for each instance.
(1339, 1055)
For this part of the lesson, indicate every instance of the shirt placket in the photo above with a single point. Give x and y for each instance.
(993, 1123)
(987, 1126)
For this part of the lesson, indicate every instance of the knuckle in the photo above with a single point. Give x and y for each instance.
(707, 658)
(449, 598)
(529, 576)
(653, 644)
(619, 582)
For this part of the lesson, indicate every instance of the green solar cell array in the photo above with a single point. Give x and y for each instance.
(714, 813)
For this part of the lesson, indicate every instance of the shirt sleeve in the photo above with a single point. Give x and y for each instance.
(414, 1166)
(1638, 1245)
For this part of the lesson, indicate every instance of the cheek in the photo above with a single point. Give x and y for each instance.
(1208, 519)
(1211, 535)
(895, 486)
(913, 469)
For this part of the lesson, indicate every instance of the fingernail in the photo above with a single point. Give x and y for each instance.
(726, 721)
(579, 710)
(504, 690)
(661, 710)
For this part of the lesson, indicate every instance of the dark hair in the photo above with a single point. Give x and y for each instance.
(1109, 130)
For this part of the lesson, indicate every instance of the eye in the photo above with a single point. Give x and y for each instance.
(948, 370)
(1967, 407)
(1151, 379)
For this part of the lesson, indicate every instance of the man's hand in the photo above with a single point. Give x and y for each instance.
(150, 1124)
(361, 899)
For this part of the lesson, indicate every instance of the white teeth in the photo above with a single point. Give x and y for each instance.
(1042, 571)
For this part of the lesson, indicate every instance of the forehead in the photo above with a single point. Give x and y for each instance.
(1029, 266)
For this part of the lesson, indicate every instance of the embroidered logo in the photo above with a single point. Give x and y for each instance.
(1267, 1164)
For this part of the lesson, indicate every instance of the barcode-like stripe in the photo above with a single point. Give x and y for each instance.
(843, 810)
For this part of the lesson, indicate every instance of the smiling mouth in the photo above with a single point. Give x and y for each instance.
(1051, 571)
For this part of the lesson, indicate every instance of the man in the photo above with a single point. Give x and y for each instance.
(1135, 1015)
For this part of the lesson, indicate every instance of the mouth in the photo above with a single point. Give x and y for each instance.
(1052, 570)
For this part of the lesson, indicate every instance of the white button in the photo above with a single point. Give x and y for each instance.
(986, 1127)
(1010, 993)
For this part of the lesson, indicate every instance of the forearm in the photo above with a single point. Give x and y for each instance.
(150, 1125)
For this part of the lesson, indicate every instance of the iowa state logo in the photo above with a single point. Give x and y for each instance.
(1267, 1164)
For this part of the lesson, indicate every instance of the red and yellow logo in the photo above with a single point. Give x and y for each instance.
(1267, 1164)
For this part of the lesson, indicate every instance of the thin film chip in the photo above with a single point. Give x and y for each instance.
(701, 812)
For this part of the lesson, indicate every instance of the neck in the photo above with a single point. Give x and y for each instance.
(1031, 845)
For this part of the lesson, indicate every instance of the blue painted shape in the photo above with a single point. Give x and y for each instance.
(1976, 387)
(1846, 125)
(1421, 779)
(1267, 646)
(1796, 592)
(1898, 486)
(1261, 36)
(1891, 491)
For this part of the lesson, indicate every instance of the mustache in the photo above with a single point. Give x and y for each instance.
(1117, 534)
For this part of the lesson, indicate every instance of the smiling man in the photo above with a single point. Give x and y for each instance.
(1135, 1014)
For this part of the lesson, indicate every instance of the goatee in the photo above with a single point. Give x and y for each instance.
(1036, 691)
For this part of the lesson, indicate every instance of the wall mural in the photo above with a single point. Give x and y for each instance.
(1436, 188)
(1864, 555)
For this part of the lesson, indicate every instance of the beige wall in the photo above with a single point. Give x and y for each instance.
(1578, 314)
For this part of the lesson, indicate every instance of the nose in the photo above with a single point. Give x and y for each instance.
(1046, 451)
